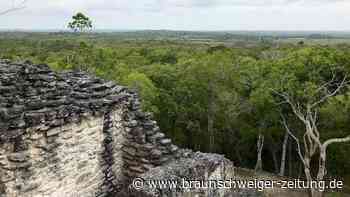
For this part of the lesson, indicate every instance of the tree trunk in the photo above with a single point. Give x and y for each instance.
(260, 145)
(308, 174)
(274, 158)
(322, 164)
(314, 192)
(284, 153)
(321, 170)
(210, 117)
(290, 160)
(238, 154)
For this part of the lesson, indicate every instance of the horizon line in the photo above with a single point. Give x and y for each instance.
(175, 30)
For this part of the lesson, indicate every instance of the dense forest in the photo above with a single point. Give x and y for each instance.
(246, 102)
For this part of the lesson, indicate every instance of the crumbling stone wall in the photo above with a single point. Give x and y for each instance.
(72, 134)
(62, 160)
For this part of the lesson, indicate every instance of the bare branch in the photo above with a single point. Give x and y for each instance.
(314, 125)
(284, 122)
(336, 140)
(295, 107)
(306, 146)
(326, 84)
(20, 6)
(323, 99)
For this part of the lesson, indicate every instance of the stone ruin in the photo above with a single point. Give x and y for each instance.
(74, 135)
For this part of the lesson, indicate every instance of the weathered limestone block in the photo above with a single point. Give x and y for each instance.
(197, 166)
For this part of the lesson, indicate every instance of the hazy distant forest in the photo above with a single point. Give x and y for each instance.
(275, 103)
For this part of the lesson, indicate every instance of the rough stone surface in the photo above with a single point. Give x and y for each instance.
(72, 134)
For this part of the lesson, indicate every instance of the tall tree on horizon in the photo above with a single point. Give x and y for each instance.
(80, 23)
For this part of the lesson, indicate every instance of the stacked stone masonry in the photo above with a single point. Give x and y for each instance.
(72, 134)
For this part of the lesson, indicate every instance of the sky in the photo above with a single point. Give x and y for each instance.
(210, 15)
